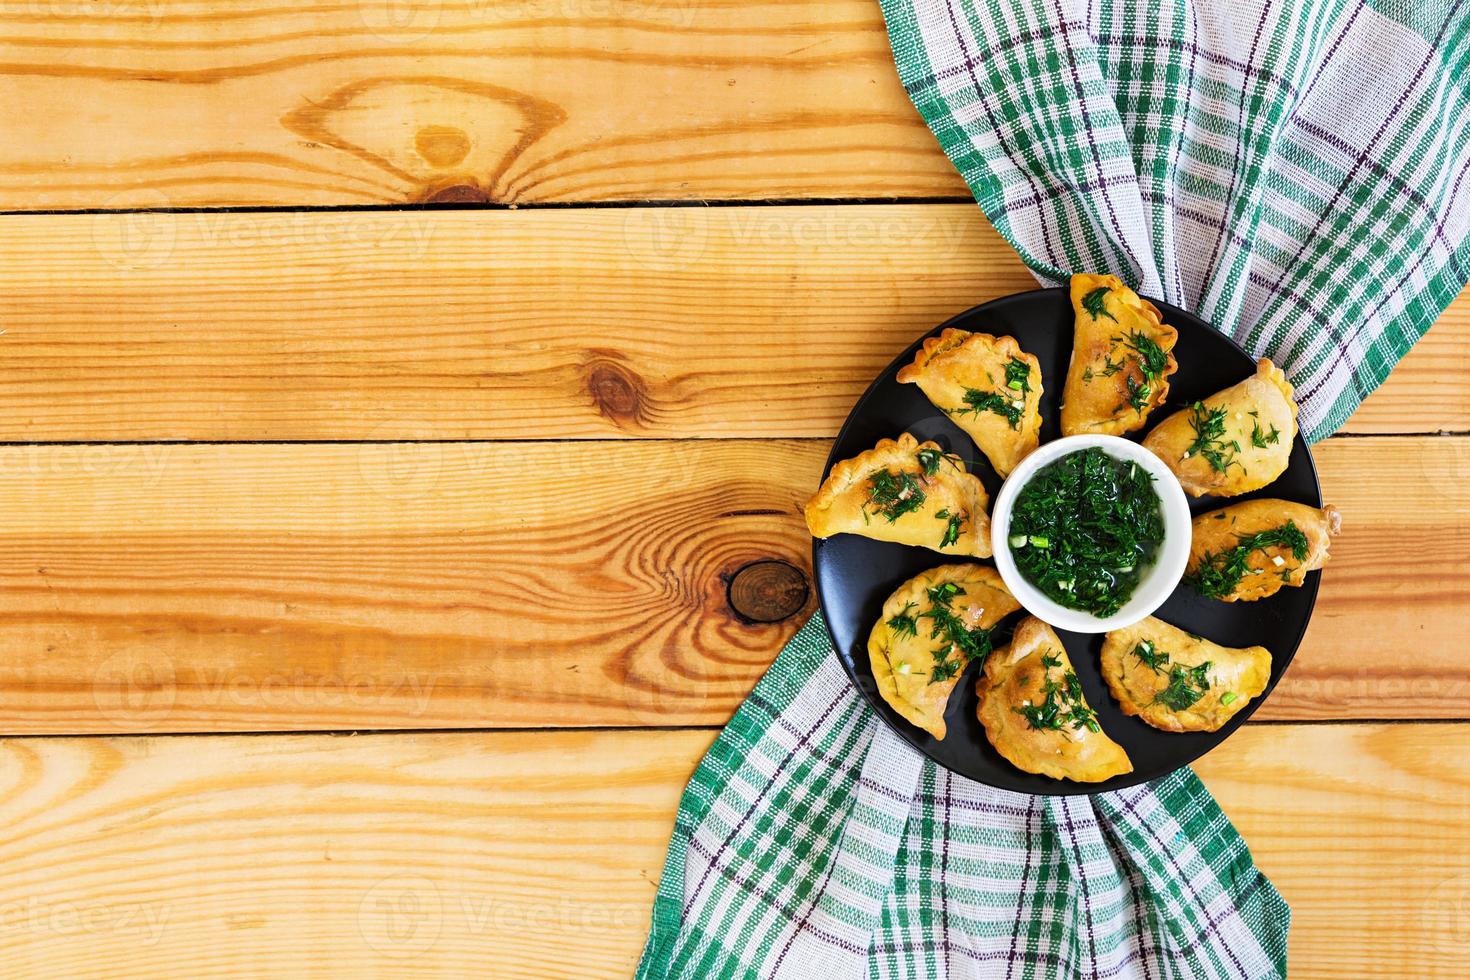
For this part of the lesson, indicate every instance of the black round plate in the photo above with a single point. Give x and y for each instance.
(855, 575)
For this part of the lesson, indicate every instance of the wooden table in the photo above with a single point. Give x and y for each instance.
(368, 570)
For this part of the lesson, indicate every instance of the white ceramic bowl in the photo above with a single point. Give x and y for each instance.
(1157, 583)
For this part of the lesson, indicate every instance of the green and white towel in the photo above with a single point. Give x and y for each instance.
(815, 844)
(1295, 173)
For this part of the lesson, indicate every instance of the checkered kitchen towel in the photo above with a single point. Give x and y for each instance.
(1294, 172)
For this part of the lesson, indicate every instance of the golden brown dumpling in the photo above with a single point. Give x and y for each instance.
(1179, 682)
(988, 386)
(1121, 358)
(907, 492)
(932, 627)
(1235, 441)
(1254, 549)
(1035, 715)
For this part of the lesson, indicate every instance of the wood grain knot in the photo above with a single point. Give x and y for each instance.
(442, 146)
(768, 591)
(459, 194)
(617, 392)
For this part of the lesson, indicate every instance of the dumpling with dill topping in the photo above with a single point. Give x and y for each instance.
(1034, 712)
(933, 626)
(1234, 441)
(906, 492)
(1121, 358)
(988, 387)
(1251, 550)
(1179, 682)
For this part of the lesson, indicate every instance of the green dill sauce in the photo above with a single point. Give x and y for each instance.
(1085, 528)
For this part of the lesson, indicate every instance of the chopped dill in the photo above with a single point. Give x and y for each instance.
(1261, 439)
(1018, 375)
(944, 669)
(1062, 706)
(1209, 438)
(1109, 368)
(1153, 361)
(972, 644)
(952, 529)
(1085, 528)
(1138, 395)
(977, 401)
(1151, 656)
(942, 593)
(1186, 686)
(893, 494)
(1093, 303)
(904, 623)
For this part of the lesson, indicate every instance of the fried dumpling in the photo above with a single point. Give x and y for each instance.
(1235, 441)
(988, 386)
(1250, 550)
(906, 492)
(1034, 713)
(932, 627)
(1121, 358)
(1179, 682)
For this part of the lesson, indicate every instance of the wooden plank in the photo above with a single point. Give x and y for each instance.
(1429, 390)
(535, 855)
(518, 857)
(271, 587)
(384, 102)
(611, 323)
(183, 588)
(1386, 638)
(1362, 829)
